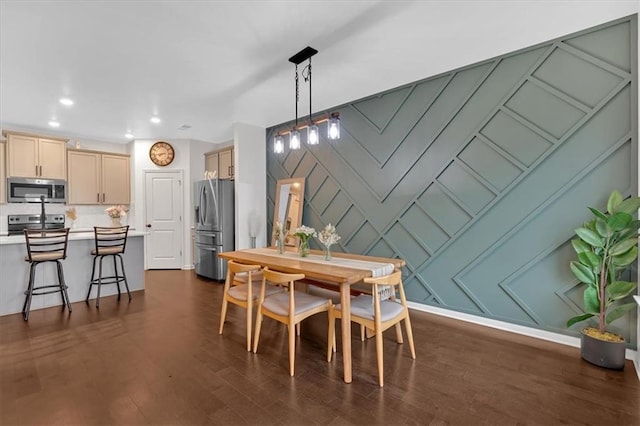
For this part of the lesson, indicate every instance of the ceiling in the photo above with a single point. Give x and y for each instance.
(209, 64)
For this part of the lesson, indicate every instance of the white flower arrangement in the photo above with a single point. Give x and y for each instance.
(278, 232)
(304, 233)
(328, 236)
(116, 211)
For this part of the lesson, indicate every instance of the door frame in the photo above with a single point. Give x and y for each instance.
(180, 176)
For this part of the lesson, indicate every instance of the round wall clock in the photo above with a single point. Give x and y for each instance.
(161, 153)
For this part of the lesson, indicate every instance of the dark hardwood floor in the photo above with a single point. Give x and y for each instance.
(159, 360)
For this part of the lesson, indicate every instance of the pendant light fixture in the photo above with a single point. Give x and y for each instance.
(313, 131)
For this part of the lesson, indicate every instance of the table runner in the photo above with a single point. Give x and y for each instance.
(377, 269)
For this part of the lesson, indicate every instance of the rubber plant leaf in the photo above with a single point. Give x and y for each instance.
(598, 213)
(590, 237)
(629, 206)
(623, 246)
(603, 229)
(620, 289)
(582, 272)
(619, 221)
(625, 258)
(591, 302)
(591, 260)
(615, 199)
(580, 246)
(619, 311)
(577, 319)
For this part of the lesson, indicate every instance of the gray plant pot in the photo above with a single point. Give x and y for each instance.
(602, 353)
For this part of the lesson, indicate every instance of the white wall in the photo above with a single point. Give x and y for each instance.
(250, 164)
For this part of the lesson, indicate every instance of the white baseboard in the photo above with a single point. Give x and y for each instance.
(514, 328)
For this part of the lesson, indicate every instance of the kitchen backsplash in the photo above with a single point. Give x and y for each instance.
(87, 216)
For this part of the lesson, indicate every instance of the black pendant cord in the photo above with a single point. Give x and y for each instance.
(297, 95)
(310, 122)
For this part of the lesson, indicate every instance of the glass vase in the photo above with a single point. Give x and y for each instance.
(303, 248)
(280, 246)
(326, 252)
(115, 222)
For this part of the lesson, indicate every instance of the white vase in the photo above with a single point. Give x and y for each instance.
(115, 222)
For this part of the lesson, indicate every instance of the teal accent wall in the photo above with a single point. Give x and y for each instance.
(477, 177)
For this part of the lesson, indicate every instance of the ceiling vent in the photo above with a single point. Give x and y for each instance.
(184, 127)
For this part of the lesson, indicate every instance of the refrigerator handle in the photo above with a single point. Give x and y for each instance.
(202, 206)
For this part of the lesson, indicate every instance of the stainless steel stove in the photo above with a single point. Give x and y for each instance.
(17, 223)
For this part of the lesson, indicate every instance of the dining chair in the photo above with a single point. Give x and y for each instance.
(378, 315)
(238, 291)
(290, 307)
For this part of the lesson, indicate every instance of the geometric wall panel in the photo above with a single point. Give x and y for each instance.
(515, 138)
(477, 177)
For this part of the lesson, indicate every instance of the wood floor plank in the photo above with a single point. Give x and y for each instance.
(160, 360)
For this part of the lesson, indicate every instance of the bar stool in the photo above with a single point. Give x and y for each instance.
(108, 242)
(45, 246)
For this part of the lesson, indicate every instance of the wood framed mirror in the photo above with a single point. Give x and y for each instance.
(288, 207)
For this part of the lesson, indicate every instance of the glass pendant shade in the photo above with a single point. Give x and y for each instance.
(294, 140)
(333, 128)
(313, 135)
(278, 144)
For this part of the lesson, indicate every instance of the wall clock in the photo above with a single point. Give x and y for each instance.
(161, 153)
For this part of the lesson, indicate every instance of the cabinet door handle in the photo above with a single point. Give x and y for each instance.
(98, 194)
(36, 170)
(229, 170)
(40, 170)
(103, 197)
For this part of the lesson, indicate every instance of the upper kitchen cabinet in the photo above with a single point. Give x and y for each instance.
(98, 178)
(220, 161)
(3, 175)
(33, 156)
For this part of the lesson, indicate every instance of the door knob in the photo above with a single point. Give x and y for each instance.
(148, 225)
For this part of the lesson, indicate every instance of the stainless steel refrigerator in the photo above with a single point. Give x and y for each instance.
(214, 224)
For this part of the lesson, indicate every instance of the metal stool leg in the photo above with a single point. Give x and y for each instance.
(124, 276)
(93, 273)
(63, 288)
(117, 277)
(99, 282)
(29, 293)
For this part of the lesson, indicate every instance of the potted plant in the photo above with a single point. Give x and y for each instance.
(606, 246)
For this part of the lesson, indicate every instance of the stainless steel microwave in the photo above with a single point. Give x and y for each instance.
(27, 190)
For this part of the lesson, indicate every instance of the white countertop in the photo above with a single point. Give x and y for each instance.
(80, 234)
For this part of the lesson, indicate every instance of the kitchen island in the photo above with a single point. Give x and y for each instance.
(14, 271)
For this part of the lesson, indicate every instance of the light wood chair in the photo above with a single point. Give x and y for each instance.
(237, 291)
(378, 315)
(289, 308)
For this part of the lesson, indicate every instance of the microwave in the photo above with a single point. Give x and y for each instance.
(27, 190)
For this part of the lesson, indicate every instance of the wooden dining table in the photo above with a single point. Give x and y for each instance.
(330, 272)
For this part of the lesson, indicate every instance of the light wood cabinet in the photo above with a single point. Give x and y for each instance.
(36, 157)
(220, 161)
(3, 175)
(225, 164)
(211, 162)
(98, 178)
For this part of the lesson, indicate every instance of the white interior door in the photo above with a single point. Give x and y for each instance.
(163, 219)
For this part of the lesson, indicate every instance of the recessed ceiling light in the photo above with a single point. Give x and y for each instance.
(66, 101)
(54, 123)
(129, 135)
(155, 120)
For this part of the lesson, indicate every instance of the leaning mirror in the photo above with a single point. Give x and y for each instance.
(288, 206)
